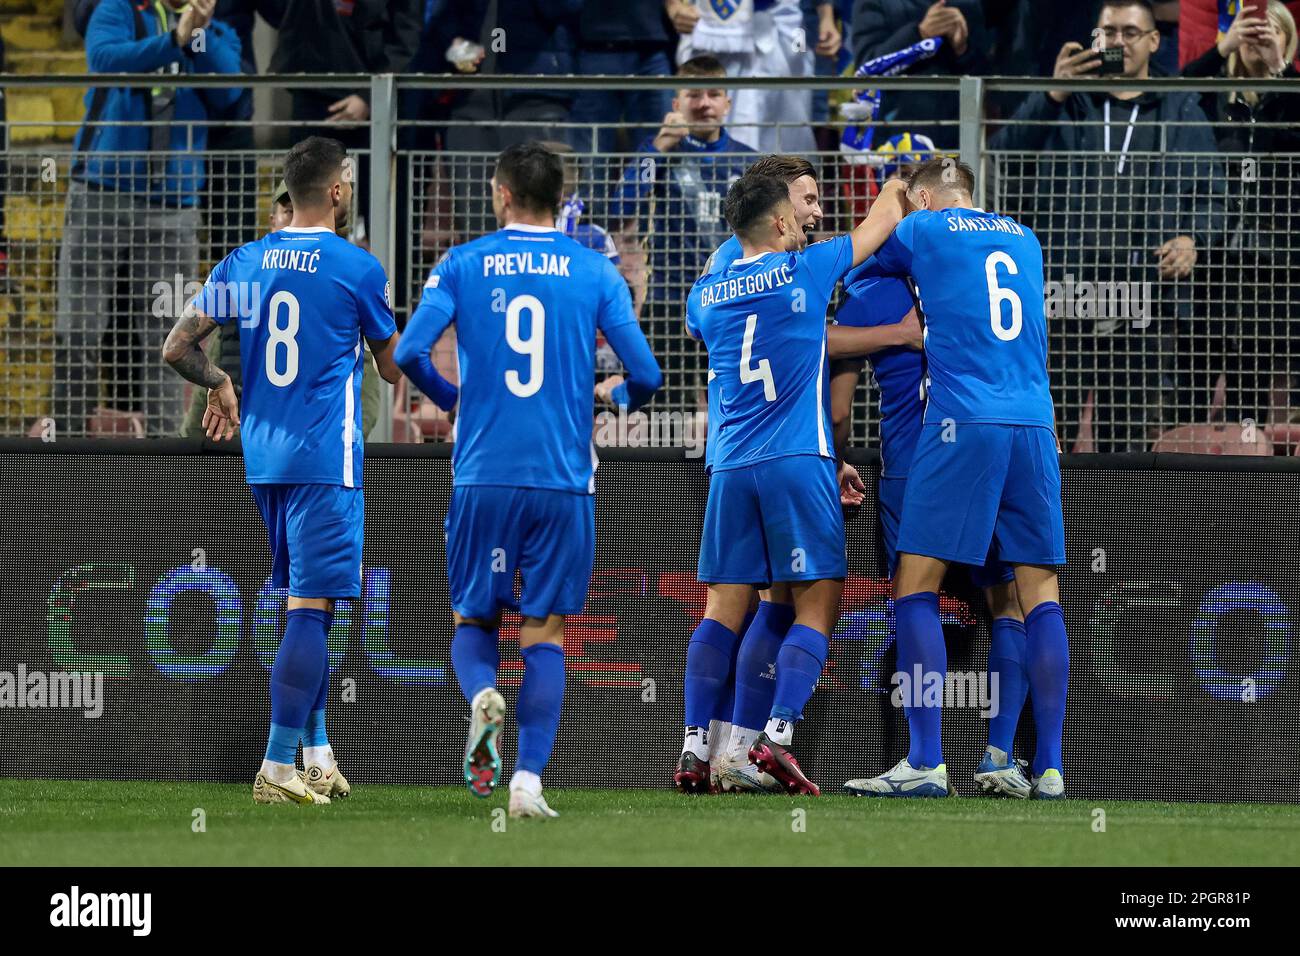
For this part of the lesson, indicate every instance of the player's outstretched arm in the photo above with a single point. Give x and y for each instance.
(384, 350)
(644, 377)
(183, 352)
(844, 382)
(886, 212)
(413, 353)
(847, 341)
(844, 385)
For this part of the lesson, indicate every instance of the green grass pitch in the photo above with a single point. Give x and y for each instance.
(89, 823)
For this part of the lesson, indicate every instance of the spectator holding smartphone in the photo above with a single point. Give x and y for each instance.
(1128, 191)
(1259, 134)
(1261, 44)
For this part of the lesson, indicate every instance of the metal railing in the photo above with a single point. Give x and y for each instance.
(95, 274)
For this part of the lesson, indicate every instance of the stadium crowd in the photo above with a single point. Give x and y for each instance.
(1172, 216)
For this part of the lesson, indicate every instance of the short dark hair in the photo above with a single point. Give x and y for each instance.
(534, 174)
(784, 167)
(944, 174)
(311, 167)
(702, 65)
(1144, 4)
(750, 198)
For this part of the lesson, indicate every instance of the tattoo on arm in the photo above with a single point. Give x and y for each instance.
(184, 354)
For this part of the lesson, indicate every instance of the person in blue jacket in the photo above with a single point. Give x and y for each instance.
(138, 173)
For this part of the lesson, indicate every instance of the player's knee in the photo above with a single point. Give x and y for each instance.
(728, 604)
(486, 623)
(310, 603)
(817, 604)
(916, 574)
(1036, 585)
(778, 593)
(542, 630)
(1004, 601)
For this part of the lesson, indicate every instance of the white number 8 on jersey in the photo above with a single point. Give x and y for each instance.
(282, 335)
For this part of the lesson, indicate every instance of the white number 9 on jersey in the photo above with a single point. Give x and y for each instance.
(282, 335)
(532, 346)
(998, 295)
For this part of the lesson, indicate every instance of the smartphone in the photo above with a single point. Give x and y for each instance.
(1112, 61)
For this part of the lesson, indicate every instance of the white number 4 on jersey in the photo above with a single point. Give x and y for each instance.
(762, 372)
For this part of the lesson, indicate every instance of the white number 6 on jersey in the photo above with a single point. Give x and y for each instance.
(532, 346)
(755, 373)
(998, 295)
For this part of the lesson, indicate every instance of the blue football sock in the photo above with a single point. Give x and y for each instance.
(921, 646)
(727, 702)
(475, 657)
(799, 665)
(538, 711)
(296, 679)
(313, 735)
(1047, 663)
(1007, 661)
(708, 661)
(756, 664)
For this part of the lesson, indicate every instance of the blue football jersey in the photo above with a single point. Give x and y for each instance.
(723, 256)
(763, 321)
(527, 302)
(874, 299)
(979, 279)
(304, 299)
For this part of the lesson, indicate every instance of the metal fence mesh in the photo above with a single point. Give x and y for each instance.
(95, 276)
(1136, 353)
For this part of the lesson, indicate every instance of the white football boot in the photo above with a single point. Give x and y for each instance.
(482, 763)
(526, 799)
(904, 780)
(293, 790)
(1050, 786)
(326, 781)
(746, 778)
(1002, 779)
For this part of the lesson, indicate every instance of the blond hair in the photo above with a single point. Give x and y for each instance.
(1281, 18)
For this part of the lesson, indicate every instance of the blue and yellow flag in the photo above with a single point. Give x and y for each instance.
(1228, 10)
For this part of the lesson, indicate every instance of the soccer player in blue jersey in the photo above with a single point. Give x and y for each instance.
(773, 511)
(314, 296)
(727, 711)
(527, 302)
(985, 476)
(875, 300)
